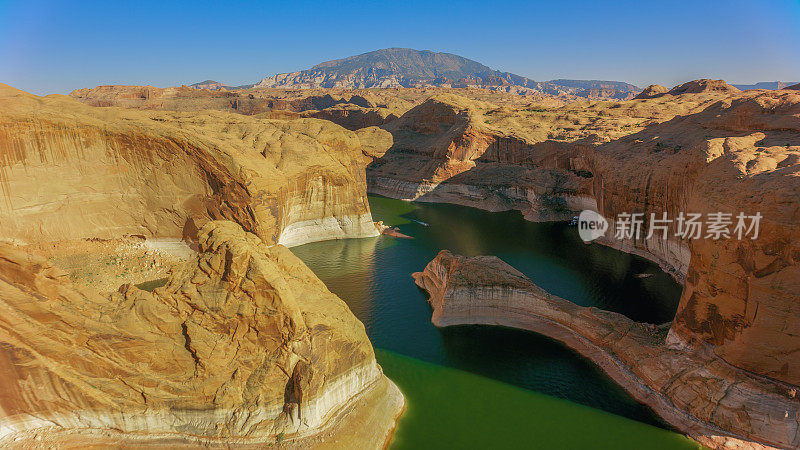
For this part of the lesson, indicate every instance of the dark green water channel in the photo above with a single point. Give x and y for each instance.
(451, 409)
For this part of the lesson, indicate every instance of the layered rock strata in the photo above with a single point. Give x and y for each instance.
(693, 389)
(459, 150)
(243, 343)
(742, 155)
(443, 151)
(702, 148)
(702, 153)
(65, 166)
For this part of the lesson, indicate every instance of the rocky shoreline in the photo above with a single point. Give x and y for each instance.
(697, 150)
(194, 358)
(713, 402)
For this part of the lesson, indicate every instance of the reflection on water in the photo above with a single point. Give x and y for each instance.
(373, 276)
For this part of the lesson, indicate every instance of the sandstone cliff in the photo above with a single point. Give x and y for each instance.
(691, 388)
(211, 85)
(476, 153)
(737, 155)
(354, 117)
(702, 85)
(652, 91)
(65, 166)
(718, 150)
(243, 343)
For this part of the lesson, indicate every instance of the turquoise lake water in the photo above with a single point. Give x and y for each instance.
(521, 388)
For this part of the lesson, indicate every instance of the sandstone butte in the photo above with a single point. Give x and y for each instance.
(242, 345)
(699, 148)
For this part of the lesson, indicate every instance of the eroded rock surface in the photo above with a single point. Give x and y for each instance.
(717, 150)
(690, 387)
(64, 167)
(739, 155)
(242, 345)
(652, 91)
(242, 342)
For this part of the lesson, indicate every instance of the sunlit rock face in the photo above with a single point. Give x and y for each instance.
(243, 344)
(65, 166)
(690, 387)
(737, 156)
(447, 150)
(243, 341)
(703, 148)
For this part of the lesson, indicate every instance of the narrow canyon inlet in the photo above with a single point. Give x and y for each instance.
(511, 368)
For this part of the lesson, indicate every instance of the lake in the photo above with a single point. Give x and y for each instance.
(520, 385)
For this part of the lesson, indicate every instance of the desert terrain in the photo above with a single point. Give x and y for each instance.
(149, 297)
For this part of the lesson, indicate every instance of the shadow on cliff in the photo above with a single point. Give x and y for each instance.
(433, 168)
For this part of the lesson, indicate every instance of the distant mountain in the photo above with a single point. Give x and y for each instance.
(404, 67)
(210, 84)
(597, 84)
(773, 85)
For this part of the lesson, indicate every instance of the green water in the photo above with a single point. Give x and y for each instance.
(447, 408)
(513, 367)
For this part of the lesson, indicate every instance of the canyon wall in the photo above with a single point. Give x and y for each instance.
(243, 345)
(442, 151)
(691, 388)
(71, 171)
(705, 149)
(737, 156)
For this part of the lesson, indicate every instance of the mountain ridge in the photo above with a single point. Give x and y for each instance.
(404, 67)
(771, 85)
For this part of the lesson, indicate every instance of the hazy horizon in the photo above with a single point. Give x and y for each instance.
(54, 47)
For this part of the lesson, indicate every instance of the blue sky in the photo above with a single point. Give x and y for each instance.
(55, 47)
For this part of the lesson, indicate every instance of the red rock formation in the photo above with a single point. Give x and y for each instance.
(442, 152)
(691, 388)
(736, 156)
(64, 166)
(720, 151)
(243, 345)
(353, 117)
